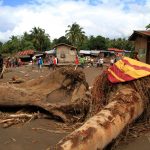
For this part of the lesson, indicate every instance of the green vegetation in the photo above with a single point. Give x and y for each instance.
(38, 40)
(147, 27)
(75, 35)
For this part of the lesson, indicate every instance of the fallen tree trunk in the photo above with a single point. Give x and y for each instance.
(62, 95)
(106, 125)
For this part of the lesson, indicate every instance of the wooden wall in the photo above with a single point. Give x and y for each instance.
(141, 47)
(148, 52)
(65, 54)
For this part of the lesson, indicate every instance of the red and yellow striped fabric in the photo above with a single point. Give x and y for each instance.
(127, 69)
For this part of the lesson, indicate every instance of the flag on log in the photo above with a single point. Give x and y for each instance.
(127, 69)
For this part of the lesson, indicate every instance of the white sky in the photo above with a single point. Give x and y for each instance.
(109, 18)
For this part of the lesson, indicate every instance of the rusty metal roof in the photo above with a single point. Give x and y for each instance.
(26, 52)
(135, 33)
(145, 32)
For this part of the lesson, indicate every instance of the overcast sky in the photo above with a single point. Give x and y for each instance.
(109, 18)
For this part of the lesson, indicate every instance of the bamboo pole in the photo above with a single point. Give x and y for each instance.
(105, 126)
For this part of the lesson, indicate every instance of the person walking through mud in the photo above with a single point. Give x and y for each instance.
(1, 66)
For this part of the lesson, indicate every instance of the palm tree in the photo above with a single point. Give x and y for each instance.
(147, 27)
(75, 34)
(38, 37)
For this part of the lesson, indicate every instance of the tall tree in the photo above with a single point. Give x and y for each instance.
(12, 45)
(62, 39)
(98, 43)
(40, 39)
(1, 45)
(120, 43)
(85, 45)
(75, 34)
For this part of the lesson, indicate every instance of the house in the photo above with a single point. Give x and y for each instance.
(141, 41)
(65, 53)
(25, 55)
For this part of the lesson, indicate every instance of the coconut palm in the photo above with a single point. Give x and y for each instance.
(38, 37)
(75, 34)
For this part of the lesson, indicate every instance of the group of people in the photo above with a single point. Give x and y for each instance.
(52, 62)
(13, 62)
(99, 61)
(79, 61)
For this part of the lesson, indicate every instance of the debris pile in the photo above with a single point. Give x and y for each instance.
(103, 90)
(12, 119)
(114, 107)
(62, 95)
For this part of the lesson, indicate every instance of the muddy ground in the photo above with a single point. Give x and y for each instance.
(42, 134)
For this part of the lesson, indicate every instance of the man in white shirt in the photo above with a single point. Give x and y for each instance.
(101, 61)
(112, 61)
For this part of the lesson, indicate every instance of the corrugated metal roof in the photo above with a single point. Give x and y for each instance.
(87, 52)
(115, 50)
(50, 52)
(93, 52)
(26, 52)
(127, 51)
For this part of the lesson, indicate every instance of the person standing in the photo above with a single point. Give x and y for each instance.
(112, 61)
(33, 61)
(1, 66)
(135, 56)
(55, 61)
(92, 61)
(97, 62)
(82, 61)
(50, 62)
(19, 62)
(118, 56)
(40, 63)
(76, 62)
(101, 62)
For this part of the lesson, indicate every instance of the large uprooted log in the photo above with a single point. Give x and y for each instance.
(115, 106)
(62, 95)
